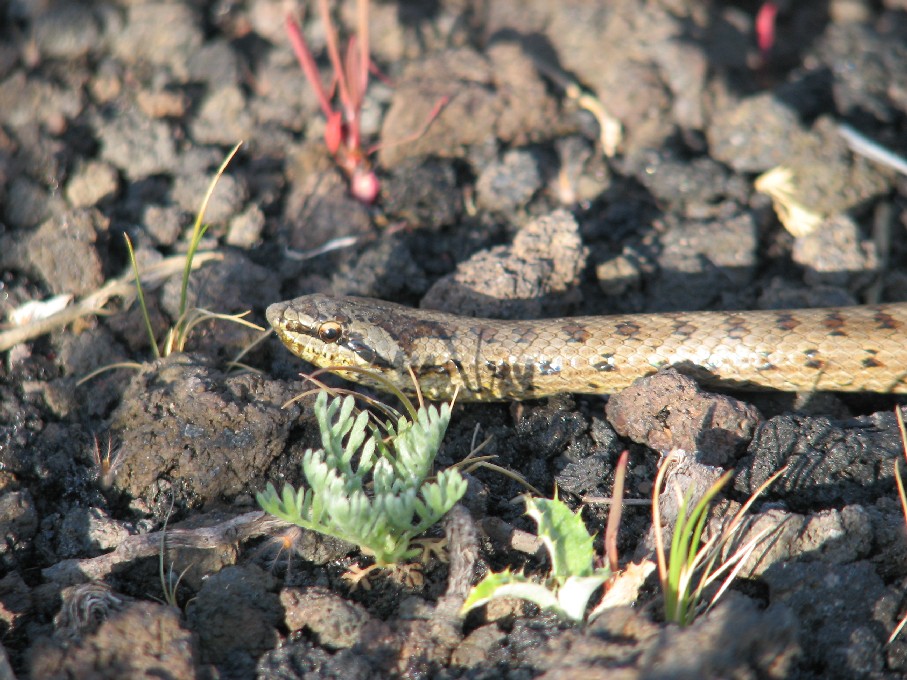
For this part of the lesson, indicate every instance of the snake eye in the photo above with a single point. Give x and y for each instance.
(329, 332)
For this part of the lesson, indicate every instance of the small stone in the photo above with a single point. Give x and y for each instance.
(163, 223)
(267, 18)
(161, 33)
(69, 31)
(831, 463)
(26, 205)
(145, 640)
(228, 197)
(215, 63)
(88, 532)
(137, 144)
(535, 276)
(478, 646)
(701, 260)
(509, 184)
(337, 623)
(163, 104)
(29, 100)
(617, 275)
(500, 94)
(245, 228)
(835, 254)
(63, 251)
(107, 82)
(224, 118)
(205, 448)
(668, 411)
(232, 596)
(18, 520)
(755, 134)
(15, 600)
(423, 193)
(92, 183)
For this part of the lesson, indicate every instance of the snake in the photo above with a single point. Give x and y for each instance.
(382, 344)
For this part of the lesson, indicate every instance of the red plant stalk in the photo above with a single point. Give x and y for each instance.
(342, 134)
(614, 513)
(765, 28)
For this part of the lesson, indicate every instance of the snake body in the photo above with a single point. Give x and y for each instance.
(846, 349)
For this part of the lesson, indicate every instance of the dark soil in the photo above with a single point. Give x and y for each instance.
(114, 116)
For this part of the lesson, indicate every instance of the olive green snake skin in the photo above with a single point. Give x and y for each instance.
(847, 349)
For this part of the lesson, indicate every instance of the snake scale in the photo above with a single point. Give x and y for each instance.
(846, 349)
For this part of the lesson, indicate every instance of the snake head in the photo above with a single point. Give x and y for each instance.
(334, 333)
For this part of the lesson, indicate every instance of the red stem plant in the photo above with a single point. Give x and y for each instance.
(766, 19)
(342, 135)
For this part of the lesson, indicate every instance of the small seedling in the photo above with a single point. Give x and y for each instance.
(902, 494)
(170, 583)
(573, 577)
(342, 134)
(575, 572)
(106, 464)
(473, 461)
(369, 485)
(615, 513)
(284, 543)
(692, 565)
(188, 318)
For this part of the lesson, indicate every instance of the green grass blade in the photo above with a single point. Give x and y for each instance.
(199, 229)
(141, 295)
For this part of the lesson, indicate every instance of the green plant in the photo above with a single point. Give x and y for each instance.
(692, 565)
(187, 319)
(169, 585)
(573, 576)
(107, 464)
(902, 495)
(342, 133)
(370, 485)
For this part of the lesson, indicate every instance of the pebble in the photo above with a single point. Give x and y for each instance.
(836, 254)
(509, 184)
(136, 144)
(91, 184)
(68, 31)
(26, 205)
(754, 134)
(246, 228)
(228, 197)
(224, 118)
